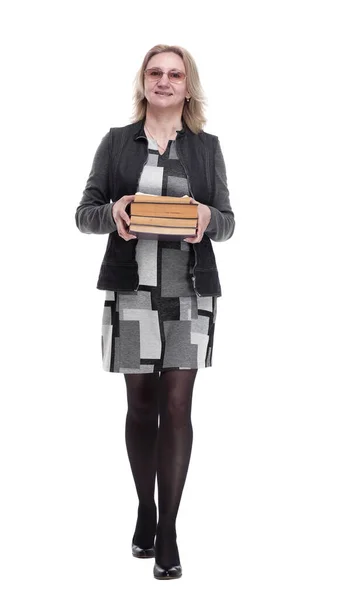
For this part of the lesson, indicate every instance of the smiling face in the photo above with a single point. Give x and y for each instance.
(164, 93)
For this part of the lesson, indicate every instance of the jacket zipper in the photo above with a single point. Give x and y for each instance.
(194, 250)
(193, 276)
(146, 160)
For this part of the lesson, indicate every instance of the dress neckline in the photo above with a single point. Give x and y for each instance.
(155, 143)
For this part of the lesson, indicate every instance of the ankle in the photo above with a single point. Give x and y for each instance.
(166, 525)
(166, 548)
(145, 530)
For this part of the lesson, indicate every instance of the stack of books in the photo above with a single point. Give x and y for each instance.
(163, 217)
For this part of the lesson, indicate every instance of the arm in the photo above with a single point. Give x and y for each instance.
(94, 213)
(222, 222)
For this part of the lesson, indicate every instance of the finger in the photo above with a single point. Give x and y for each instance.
(122, 231)
(129, 199)
(199, 236)
(127, 236)
(193, 240)
(125, 217)
(122, 218)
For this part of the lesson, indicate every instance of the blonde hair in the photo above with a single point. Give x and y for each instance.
(193, 111)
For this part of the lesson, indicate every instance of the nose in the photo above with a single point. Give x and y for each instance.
(164, 80)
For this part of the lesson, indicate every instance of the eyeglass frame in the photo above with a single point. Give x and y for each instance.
(166, 73)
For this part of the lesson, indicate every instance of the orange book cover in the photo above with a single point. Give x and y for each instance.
(162, 233)
(148, 209)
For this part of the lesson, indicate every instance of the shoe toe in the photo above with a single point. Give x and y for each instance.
(171, 573)
(139, 552)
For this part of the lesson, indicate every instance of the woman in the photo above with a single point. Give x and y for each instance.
(161, 296)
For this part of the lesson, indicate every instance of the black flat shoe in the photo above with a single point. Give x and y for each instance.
(171, 573)
(139, 552)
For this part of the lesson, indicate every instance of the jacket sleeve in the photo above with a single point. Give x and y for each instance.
(94, 213)
(222, 223)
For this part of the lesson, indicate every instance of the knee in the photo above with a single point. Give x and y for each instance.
(142, 411)
(177, 410)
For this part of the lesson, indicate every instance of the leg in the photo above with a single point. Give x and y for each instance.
(175, 437)
(141, 442)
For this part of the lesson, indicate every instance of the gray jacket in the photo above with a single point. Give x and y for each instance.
(116, 170)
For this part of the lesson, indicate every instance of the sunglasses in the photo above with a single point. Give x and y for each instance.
(156, 74)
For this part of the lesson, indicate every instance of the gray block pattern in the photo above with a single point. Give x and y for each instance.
(175, 276)
(127, 349)
(146, 257)
(179, 350)
(178, 186)
(164, 324)
(142, 339)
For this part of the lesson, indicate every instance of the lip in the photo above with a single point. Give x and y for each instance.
(164, 93)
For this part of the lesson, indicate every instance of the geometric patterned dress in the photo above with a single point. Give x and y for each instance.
(164, 324)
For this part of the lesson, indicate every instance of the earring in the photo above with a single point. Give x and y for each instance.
(188, 99)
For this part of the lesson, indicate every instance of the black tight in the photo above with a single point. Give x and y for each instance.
(162, 448)
(141, 442)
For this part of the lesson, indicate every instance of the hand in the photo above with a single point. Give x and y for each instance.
(204, 217)
(121, 217)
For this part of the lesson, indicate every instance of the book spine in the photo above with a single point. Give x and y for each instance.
(163, 221)
(162, 236)
(144, 198)
(164, 210)
(168, 230)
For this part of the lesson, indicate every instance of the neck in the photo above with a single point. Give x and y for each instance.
(163, 123)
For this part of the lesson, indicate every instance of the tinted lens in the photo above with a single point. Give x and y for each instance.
(176, 76)
(154, 74)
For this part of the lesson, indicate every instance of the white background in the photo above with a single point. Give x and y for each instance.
(261, 512)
